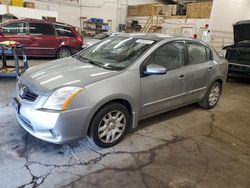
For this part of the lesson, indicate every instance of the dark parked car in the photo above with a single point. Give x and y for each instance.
(238, 54)
(43, 38)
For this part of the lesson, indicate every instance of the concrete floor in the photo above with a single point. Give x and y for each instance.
(188, 147)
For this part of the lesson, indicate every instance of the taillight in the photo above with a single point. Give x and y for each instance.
(79, 38)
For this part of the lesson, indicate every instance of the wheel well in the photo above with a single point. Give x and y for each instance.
(220, 81)
(121, 101)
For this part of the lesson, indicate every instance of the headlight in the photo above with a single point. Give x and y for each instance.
(61, 98)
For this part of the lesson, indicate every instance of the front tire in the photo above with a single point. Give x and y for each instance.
(212, 97)
(109, 125)
(63, 52)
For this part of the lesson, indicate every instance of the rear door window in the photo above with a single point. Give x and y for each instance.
(197, 53)
(41, 29)
(64, 31)
(15, 28)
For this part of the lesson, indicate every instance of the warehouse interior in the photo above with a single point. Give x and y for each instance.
(133, 93)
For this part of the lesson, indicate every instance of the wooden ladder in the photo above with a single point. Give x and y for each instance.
(153, 26)
(157, 26)
(148, 24)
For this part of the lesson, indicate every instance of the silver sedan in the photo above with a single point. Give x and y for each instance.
(106, 89)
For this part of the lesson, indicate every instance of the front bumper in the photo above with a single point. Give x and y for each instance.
(238, 70)
(56, 127)
(76, 50)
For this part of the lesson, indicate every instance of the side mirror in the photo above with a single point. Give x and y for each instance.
(154, 69)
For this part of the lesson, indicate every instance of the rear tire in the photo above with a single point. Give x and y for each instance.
(63, 52)
(109, 125)
(212, 97)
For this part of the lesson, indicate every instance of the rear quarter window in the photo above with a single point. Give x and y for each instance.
(64, 31)
(209, 54)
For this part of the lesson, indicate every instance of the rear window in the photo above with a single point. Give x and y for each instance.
(64, 31)
(41, 29)
(15, 28)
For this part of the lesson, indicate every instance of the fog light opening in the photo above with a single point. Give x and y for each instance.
(55, 133)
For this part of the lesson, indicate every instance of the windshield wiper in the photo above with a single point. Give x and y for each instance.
(110, 67)
(86, 60)
(96, 63)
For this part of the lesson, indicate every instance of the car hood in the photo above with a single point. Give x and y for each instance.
(46, 78)
(241, 31)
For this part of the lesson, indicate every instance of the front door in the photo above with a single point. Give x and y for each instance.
(15, 32)
(162, 92)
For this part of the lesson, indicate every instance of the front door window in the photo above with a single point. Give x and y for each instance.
(15, 28)
(170, 55)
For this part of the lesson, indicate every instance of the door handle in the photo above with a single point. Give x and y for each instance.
(182, 77)
(210, 69)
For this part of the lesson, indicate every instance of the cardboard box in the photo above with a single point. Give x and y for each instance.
(29, 5)
(17, 3)
(199, 10)
(5, 2)
(147, 10)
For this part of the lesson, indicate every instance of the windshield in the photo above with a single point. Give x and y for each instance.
(115, 52)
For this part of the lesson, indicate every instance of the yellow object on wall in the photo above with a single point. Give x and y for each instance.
(17, 3)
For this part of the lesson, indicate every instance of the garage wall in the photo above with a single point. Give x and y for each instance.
(185, 27)
(71, 11)
(224, 14)
(177, 27)
(21, 12)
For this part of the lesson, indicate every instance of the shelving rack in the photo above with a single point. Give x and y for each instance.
(93, 26)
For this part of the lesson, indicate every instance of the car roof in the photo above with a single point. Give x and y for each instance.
(149, 36)
(38, 21)
(156, 36)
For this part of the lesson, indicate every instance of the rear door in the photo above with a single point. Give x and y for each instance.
(44, 41)
(69, 37)
(17, 32)
(200, 68)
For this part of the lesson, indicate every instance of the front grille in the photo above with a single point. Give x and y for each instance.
(30, 96)
(26, 93)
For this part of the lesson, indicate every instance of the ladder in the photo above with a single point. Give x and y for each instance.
(153, 26)
(147, 25)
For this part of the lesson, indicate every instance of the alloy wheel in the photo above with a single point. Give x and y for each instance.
(112, 126)
(64, 53)
(214, 95)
